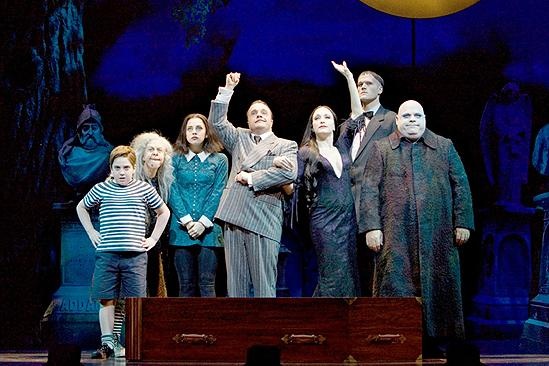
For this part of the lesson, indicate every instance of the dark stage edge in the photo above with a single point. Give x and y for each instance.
(32, 358)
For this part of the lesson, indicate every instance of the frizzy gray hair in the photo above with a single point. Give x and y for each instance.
(165, 172)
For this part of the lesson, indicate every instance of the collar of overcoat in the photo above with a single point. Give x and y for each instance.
(428, 138)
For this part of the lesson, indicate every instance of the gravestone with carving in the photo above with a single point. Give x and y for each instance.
(84, 160)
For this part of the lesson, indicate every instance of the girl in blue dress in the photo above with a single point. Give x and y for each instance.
(200, 173)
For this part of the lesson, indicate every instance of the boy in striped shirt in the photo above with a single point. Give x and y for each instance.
(121, 247)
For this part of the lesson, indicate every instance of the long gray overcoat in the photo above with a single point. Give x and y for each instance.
(416, 194)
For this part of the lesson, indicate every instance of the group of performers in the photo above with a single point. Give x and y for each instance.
(386, 202)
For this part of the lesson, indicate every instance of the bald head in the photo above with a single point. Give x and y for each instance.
(410, 120)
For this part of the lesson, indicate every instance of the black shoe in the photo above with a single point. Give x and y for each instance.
(431, 351)
(103, 353)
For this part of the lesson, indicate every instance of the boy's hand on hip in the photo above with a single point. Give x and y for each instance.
(148, 243)
(95, 237)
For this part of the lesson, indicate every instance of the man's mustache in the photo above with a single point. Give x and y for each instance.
(86, 137)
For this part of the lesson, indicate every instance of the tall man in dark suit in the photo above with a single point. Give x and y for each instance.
(251, 204)
(375, 123)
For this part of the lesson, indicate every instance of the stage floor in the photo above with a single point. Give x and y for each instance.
(504, 352)
(35, 358)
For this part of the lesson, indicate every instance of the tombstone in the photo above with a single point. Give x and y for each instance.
(72, 317)
(500, 306)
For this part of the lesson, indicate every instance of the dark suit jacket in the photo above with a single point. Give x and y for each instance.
(381, 125)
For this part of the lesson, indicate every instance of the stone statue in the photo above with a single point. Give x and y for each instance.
(84, 158)
(540, 156)
(505, 131)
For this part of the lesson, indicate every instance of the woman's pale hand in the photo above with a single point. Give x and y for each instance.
(374, 240)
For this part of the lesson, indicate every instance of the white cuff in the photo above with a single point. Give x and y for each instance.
(205, 221)
(224, 95)
(185, 220)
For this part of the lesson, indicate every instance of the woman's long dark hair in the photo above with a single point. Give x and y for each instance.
(312, 158)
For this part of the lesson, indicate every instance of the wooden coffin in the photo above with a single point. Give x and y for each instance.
(306, 330)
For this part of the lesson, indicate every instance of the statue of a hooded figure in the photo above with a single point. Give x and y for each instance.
(84, 158)
(505, 130)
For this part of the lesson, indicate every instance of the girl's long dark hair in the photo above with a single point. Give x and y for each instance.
(211, 143)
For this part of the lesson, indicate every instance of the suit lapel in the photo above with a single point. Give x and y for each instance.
(258, 151)
(373, 126)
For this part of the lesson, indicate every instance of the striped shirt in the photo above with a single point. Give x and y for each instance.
(122, 213)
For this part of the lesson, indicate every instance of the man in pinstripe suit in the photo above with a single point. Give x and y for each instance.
(251, 204)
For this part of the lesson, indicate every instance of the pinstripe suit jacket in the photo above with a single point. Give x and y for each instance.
(257, 208)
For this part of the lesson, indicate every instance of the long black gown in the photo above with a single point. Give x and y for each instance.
(333, 226)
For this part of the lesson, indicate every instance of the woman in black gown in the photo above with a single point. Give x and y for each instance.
(324, 184)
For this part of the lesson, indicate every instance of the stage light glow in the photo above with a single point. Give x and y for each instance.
(419, 8)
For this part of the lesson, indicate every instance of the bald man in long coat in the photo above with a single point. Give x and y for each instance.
(417, 210)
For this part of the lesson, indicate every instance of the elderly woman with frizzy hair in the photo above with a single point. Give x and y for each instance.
(154, 161)
(154, 166)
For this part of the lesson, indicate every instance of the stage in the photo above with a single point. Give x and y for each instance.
(19, 358)
(493, 353)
